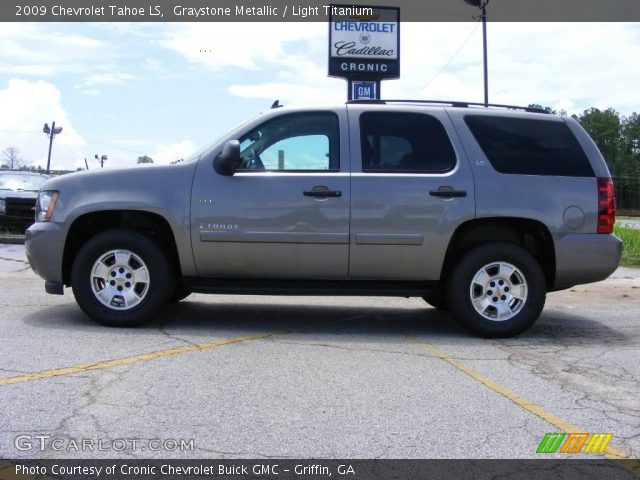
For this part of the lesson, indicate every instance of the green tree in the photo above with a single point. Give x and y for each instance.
(631, 135)
(630, 161)
(605, 128)
(618, 139)
(145, 159)
(546, 109)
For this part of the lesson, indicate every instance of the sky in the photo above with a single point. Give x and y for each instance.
(168, 89)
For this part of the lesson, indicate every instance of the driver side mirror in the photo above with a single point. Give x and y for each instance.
(229, 160)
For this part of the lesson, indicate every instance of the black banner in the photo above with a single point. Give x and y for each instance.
(310, 10)
(357, 68)
(320, 469)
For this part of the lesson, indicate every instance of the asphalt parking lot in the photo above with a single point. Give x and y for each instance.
(301, 377)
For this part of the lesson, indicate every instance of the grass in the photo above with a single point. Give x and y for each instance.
(8, 231)
(630, 246)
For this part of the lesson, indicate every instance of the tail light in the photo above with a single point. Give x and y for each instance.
(606, 205)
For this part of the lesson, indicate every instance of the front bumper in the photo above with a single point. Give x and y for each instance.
(14, 221)
(44, 245)
(585, 258)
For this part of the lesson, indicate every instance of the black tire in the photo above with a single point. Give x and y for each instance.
(179, 293)
(525, 312)
(154, 293)
(437, 300)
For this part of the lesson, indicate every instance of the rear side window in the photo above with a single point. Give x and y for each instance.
(404, 143)
(529, 147)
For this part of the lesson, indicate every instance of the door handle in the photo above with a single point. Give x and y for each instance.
(320, 191)
(448, 192)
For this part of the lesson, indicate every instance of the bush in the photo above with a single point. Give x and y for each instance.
(630, 246)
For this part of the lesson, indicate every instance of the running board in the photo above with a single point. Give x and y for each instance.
(376, 288)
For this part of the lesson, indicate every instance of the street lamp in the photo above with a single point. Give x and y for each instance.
(101, 159)
(482, 5)
(51, 133)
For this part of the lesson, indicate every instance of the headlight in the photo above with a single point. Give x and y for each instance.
(3, 206)
(45, 204)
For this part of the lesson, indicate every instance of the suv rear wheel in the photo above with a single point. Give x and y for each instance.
(121, 278)
(497, 290)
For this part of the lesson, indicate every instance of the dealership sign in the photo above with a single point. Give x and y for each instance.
(364, 43)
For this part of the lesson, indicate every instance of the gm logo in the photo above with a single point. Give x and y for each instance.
(364, 90)
(573, 442)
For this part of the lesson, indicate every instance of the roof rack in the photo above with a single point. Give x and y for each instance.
(452, 104)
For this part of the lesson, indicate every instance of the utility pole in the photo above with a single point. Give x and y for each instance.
(51, 133)
(484, 51)
(482, 5)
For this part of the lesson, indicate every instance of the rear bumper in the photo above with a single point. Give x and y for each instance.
(585, 258)
(44, 245)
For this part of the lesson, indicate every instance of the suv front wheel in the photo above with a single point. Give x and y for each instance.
(121, 278)
(497, 290)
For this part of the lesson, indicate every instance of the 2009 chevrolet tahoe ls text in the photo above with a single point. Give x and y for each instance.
(480, 211)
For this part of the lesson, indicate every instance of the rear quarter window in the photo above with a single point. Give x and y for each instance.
(529, 147)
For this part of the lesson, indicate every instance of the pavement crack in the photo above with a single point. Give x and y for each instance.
(176, 338)
(7, 259)
(8, 370)
(349, 349)
(238, 454)
(83, 420)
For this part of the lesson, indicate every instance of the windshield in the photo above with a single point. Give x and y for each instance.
(13, 181)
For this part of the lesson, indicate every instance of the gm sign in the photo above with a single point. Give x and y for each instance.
(363, 90)
(364, 46)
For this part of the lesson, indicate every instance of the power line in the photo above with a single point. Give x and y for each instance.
(21, 131)
(466, 40)
(88, 140)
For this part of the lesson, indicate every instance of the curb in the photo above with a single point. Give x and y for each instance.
(12, 239)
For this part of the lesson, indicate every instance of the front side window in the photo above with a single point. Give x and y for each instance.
(404, 143)
(295, 142)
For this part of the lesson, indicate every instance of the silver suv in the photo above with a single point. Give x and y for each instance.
(480, 211)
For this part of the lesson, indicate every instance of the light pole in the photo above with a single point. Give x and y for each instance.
(482, 5)
(101, 159)
(51, 133)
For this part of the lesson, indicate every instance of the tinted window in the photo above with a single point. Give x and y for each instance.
(295, 142)
(404, 142)
(529, 147)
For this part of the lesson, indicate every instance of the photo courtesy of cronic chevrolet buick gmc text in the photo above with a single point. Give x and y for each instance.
(480, 211)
